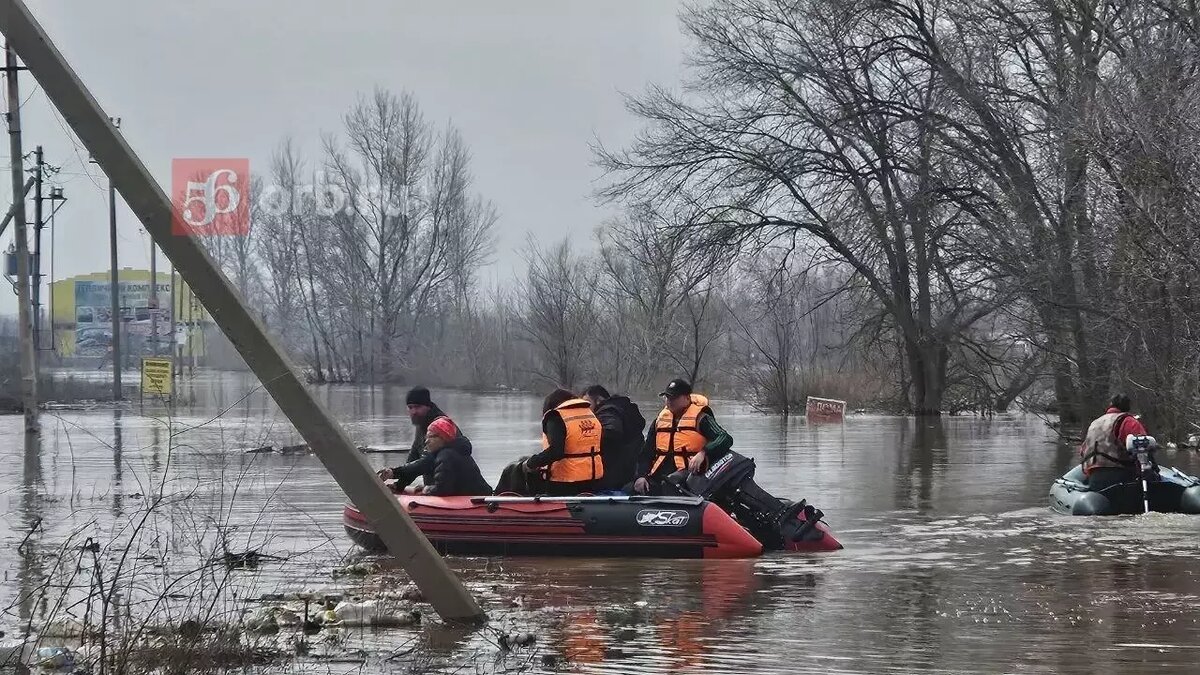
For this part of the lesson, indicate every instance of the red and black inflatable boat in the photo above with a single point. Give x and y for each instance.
(604, 526)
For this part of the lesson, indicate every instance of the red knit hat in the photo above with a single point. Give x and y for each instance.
(443, 428)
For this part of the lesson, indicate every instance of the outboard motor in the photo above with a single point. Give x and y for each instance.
(1142, 448)
(729, 483)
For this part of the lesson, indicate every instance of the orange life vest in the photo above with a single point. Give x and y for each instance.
(581, 452)
(682, 436)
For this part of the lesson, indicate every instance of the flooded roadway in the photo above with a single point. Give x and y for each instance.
(953, 562)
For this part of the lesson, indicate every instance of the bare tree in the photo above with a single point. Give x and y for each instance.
(701, 324)
(409, 223)
(658, 288)
(559, 297)
(808, 123)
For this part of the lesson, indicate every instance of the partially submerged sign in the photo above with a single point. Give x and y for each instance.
(156, 376)
(825, 409)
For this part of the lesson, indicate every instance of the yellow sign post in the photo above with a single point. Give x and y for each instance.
(156, 376)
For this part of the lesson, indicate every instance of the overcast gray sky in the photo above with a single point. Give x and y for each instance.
(529, 83)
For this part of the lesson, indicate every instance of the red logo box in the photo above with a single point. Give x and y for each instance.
(210, 196)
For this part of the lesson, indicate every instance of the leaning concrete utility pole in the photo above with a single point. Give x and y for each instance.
(25, 311)
(12, 210)
(148, 200)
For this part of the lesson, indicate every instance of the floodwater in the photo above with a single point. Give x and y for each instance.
(953, 561)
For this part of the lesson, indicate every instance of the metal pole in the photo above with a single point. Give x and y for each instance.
(50, 286)
(174, 329)
(115, 291)
(153, 299)
(146, 198)
(36, 284)
(24, 314)
(191, 333)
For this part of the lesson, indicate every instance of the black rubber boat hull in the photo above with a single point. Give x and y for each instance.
(1174, 492)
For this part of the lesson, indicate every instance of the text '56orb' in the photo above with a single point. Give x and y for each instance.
(210, 196)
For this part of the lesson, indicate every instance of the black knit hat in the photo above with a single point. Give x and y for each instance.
(418, 396)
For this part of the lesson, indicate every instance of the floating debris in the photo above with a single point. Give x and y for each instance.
(512, 639)
(361, 569)
(287, 618)
(247, 560)
(263, 621)
(190, 628)
(55, 657)
(372, 613)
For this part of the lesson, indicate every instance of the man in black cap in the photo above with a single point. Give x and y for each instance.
(685, 436)
(422, 410)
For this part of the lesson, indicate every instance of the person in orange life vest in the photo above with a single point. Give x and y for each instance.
(446, 467)
(684, 436)
(1106, 461)
(570, 460)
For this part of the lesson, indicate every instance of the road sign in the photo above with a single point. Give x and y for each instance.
(825, 409)
(156, 376)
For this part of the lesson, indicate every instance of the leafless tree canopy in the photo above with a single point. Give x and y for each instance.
(1007, 181)
(944, 203)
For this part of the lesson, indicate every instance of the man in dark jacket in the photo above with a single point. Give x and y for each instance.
(446, 466)
(622, 423)
(422, 410)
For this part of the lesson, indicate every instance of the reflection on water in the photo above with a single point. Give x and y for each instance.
(953, 562)
(30, 573)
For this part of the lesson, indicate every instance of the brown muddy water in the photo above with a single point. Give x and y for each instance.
(953, 561)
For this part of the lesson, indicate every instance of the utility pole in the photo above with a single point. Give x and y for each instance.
(191, 333)
(176, 366)
(37, 254)
(56, 199)
(24, 313)
(174, 334)
(153, 299)
(114, 283)
(353, 473)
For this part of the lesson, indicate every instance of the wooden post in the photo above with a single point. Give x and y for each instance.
(148, 200)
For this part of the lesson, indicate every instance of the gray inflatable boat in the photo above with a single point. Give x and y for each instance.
(1173, 492)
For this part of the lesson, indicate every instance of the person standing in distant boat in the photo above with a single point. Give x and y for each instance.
(1106, 460)
(685, 436)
